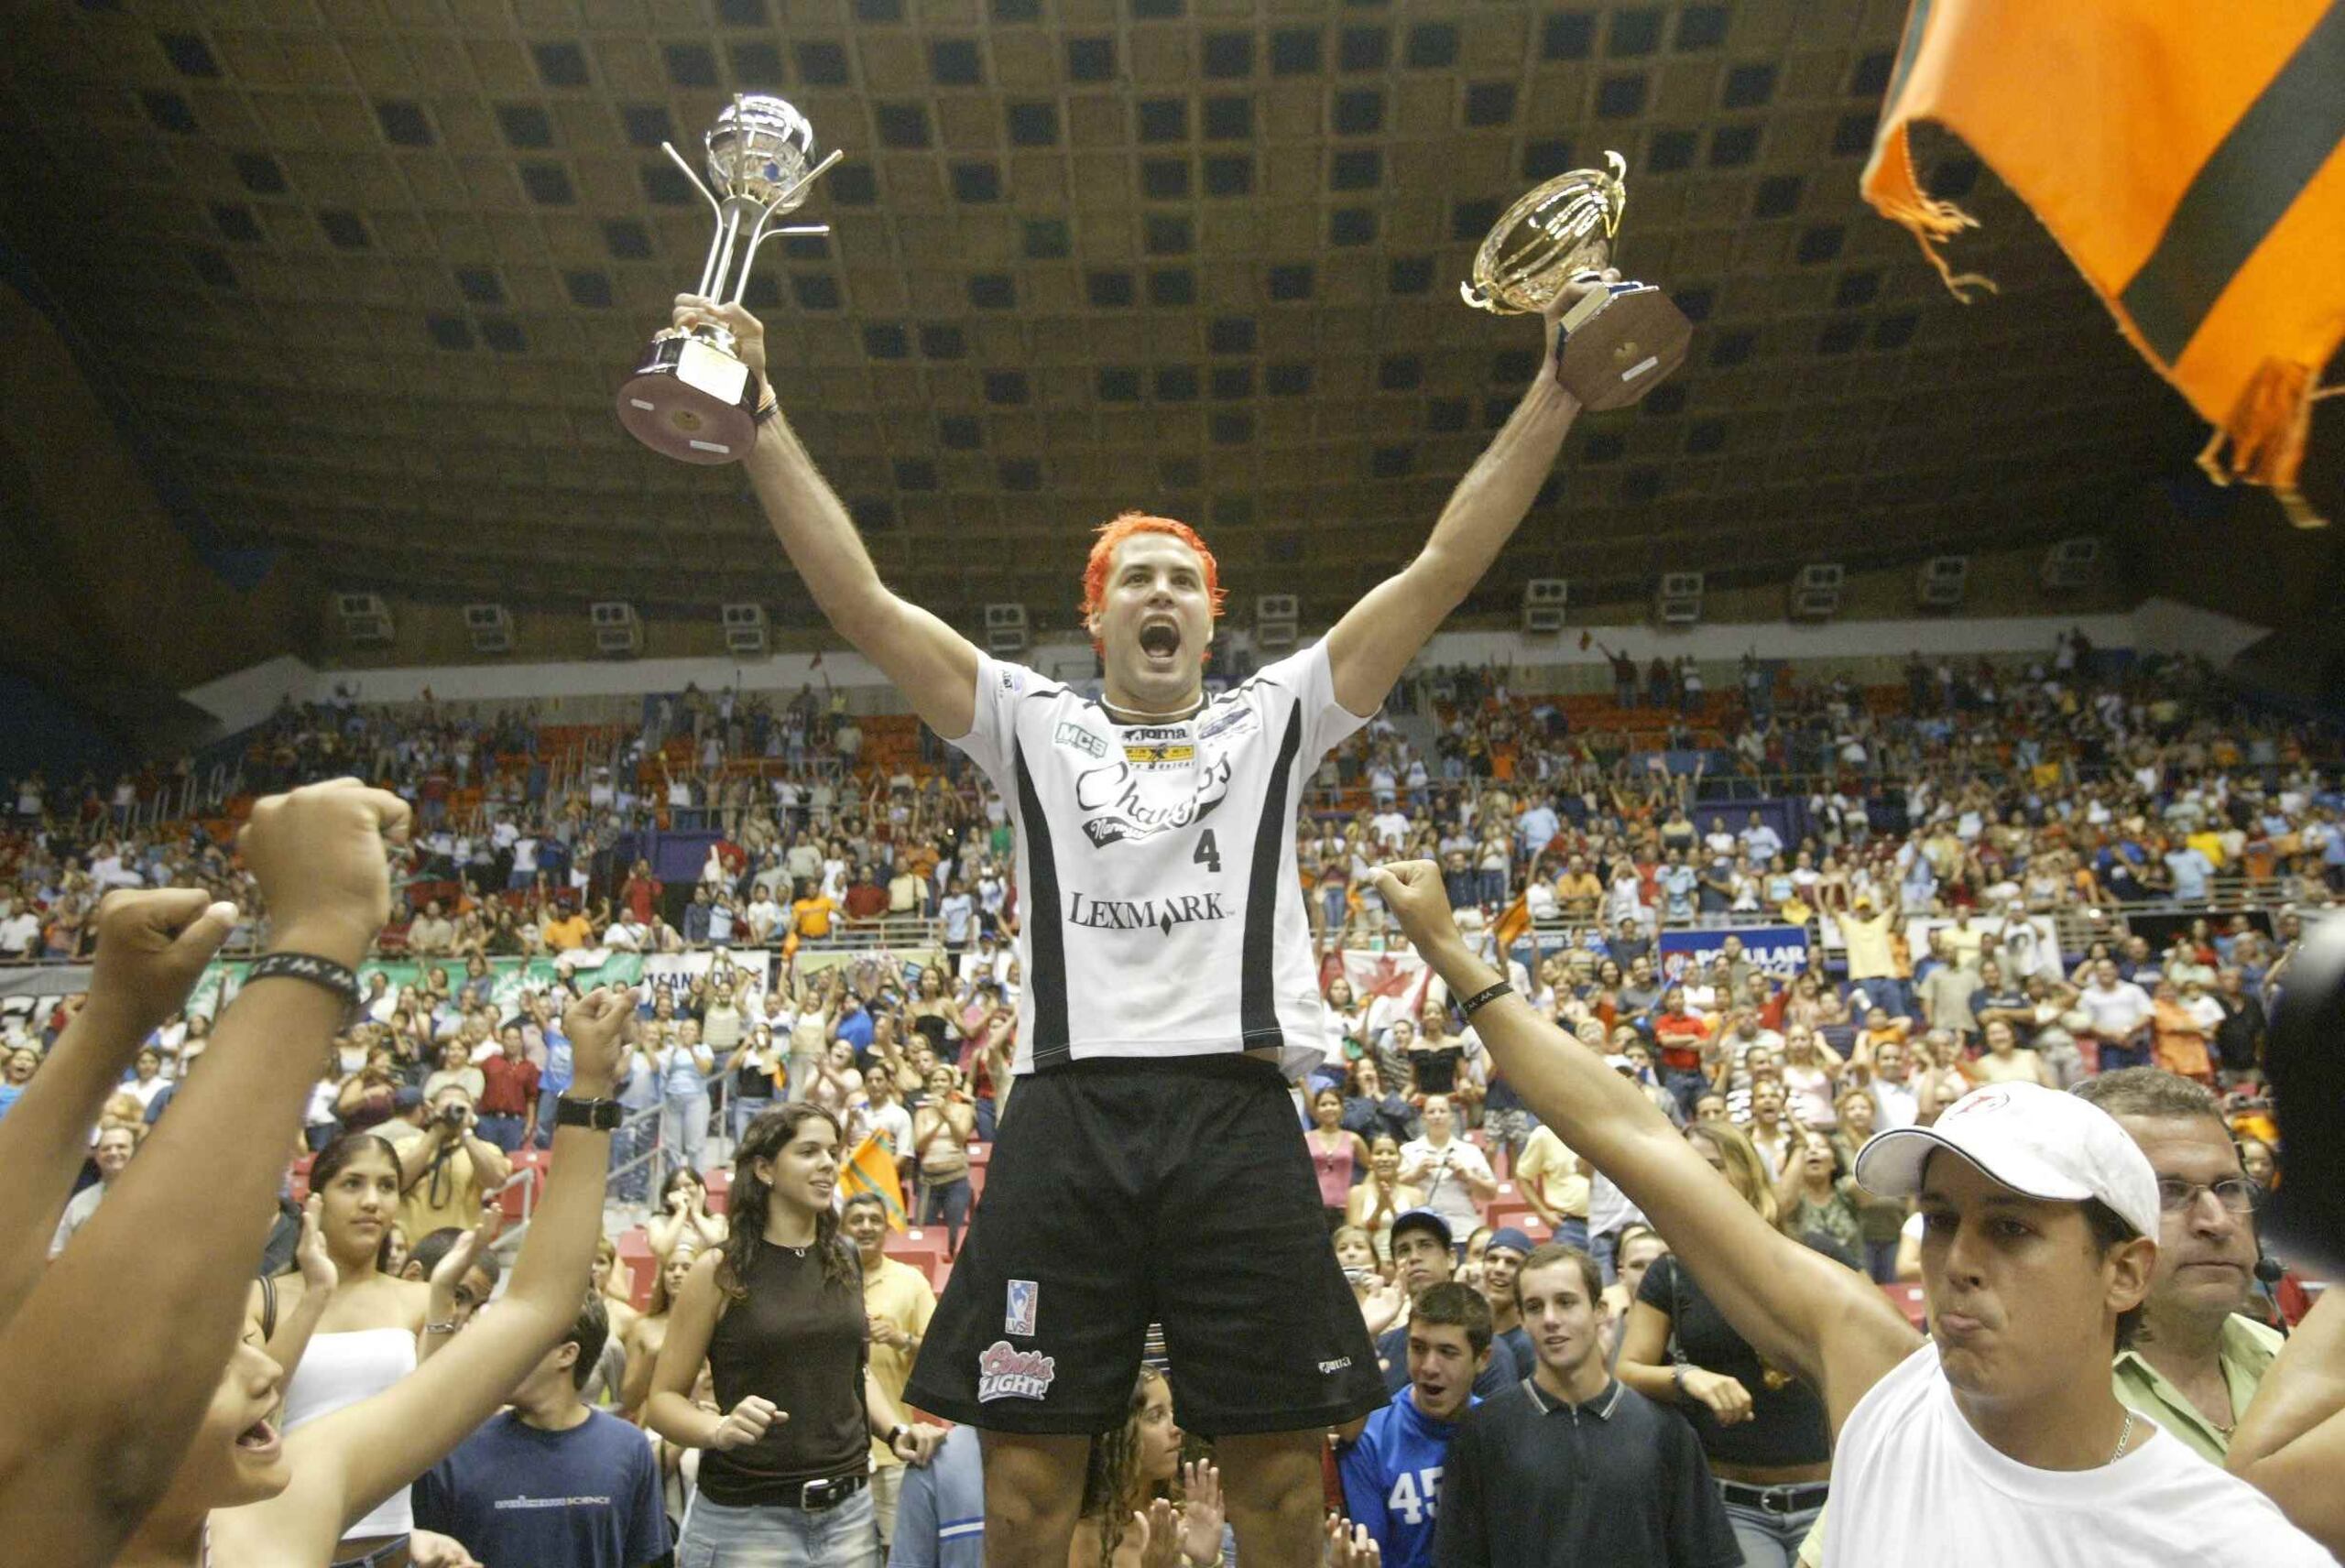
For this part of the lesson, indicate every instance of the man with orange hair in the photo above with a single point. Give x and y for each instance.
(1154, 1172)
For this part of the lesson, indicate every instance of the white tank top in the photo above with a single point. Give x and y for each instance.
(337, 1371)
(1159, 910)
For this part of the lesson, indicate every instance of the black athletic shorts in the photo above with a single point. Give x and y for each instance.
(1127, 1191)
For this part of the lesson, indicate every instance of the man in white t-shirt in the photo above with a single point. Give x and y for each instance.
(2120, 1013)
(19, 930)
(2002, 1439)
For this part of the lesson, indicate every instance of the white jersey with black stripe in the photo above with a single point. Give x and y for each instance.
(1159, 906)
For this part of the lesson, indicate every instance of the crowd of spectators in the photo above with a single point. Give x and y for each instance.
(2050, 788)
(1973, 802)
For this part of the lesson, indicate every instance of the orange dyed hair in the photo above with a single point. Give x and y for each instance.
(1111, 534)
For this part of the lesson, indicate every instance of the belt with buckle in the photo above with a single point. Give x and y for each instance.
(1797, 1498)
(814, 1497)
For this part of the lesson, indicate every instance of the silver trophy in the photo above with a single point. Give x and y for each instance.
(692, 398)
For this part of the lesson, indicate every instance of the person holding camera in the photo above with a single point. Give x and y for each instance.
(447, 1170)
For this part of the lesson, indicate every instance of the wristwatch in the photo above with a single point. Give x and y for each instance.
(603, 1115)
(895, 1433)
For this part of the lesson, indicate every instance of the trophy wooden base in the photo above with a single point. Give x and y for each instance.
(1627, 344)
(692, 401)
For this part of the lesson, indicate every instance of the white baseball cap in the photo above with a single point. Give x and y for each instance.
(2034, 1140)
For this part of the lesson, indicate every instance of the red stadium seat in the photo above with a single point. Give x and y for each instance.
(921, 1248)
(520, 1197)
(642, 1268)
(301, 1178)
(1907, 1298)
(720, 1188)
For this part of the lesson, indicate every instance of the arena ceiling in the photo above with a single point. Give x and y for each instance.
(368, 272)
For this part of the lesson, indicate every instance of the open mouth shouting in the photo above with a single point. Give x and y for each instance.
(1160, 640)
(260, 1440)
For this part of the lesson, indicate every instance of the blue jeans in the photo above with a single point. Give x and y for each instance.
(502, 1129)
(948, 1201)
(1880, 1261)
(1573, 1233)
(1606, 1250)
(746, 1108)
(1770, 1539)
(546, 1098)
(627, 1145)
(683, 1129)
(716, 1536)
(1686, 1085)
(1891, 996)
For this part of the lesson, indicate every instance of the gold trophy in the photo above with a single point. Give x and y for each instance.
(692, 398)
(1618, 341)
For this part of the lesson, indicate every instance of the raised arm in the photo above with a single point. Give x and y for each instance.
(2290, 1444)
(296, 1324)
(1799, 1309)
(152, 947)
(88, 1442)
(931, 663)
(1374, 642)
(345, 1463)
(669, 1411)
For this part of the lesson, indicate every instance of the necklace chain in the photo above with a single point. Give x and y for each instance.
(2123, 1437)
(1136, 715)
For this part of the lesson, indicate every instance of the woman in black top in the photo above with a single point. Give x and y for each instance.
(778, 1313)
(1765, 1433)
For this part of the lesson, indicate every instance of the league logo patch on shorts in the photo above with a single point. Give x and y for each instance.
(1024, 1296)
(1005, 1372)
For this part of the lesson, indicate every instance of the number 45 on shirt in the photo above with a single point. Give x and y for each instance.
(1415, 1496)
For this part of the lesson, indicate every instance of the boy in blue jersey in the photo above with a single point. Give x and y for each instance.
(1391, 1472)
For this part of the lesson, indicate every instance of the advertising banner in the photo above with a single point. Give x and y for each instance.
(1777, 949)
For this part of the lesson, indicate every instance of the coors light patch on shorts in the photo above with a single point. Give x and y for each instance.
(1005, 1372)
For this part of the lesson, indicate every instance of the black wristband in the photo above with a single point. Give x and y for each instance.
(1488, 994)
(603, 1115)
(338, 978)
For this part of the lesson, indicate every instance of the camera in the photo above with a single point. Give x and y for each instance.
(452, 1113)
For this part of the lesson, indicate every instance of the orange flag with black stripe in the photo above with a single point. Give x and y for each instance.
(872, 1169)
(2187, 158)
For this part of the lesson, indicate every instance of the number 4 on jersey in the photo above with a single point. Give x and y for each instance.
(1208, 854)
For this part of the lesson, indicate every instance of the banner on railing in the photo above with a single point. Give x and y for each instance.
(512, 979)
(1777, 949)
(2029, 944)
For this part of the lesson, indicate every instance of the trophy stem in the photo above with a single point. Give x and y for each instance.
(707, 290)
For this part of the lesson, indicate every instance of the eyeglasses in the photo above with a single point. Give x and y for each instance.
(2237, 1193)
